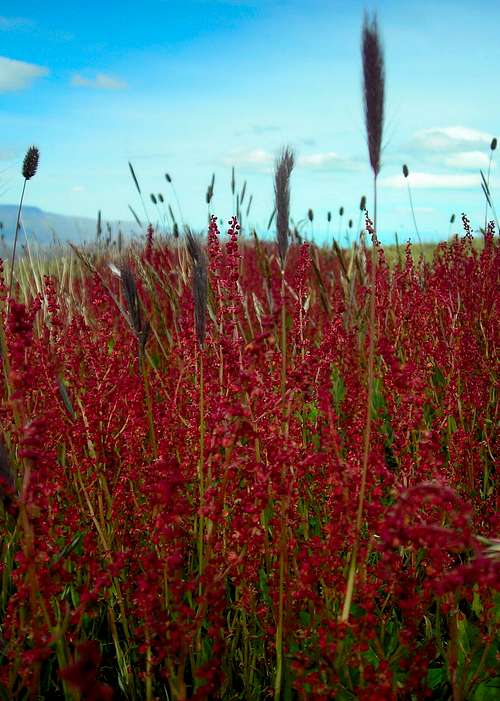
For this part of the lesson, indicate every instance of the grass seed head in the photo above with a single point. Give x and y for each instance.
(30, 163)
(283, 170)
(200, 284)
(373, 89)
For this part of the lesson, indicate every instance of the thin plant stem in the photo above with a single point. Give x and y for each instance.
(15, 239)
(367, 433)
(283, 539)
(414, 219)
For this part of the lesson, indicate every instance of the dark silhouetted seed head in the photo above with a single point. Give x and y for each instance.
(134, 177)
(200, 284)
(160, 197)
(283, 170)
(153, 198)
(493, 144)
(168, 178)
(362, 204)
(374, 89)
(329, 217)
(30, 163)
(310, 215)
(341, 211)
(406, 172)
(452, 219)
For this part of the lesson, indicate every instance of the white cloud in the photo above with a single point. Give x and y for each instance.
(102, 81)
(77, 188)
(433, 181)
(17, 75)
(450, 139)
(329, 160)
(472, 160)
(263, 160)
(250, 158)
(8, 23)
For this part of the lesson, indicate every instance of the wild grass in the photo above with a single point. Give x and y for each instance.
(249, 468)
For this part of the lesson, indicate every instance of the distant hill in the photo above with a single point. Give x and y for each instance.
(46, 227)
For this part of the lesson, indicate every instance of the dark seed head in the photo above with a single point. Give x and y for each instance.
(493, 144)
(310, 215)
(329, 217)
(362, 204)
(200, 284)
(406, 172)
(374, 89)
(283, 170)
(168, 178)
(341, 211)
(30, 163)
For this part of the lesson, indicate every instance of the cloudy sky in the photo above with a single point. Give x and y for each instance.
(192, 87)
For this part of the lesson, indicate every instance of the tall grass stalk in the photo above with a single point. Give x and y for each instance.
(406, 173)
(30, 165)
(374, 92)
(283, 169)
(493, 147)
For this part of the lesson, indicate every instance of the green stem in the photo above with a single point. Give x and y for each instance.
(15, 240)
(279, 627)
(367, 433)
(149, 404)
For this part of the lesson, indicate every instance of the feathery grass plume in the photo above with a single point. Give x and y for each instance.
(452, 221)
(133, 302)
(489, 203)
(374, 90)
(341, 214)
(210, 190)
(134, 177)
(250, 200)
(137, 187)
(271, 218)
(169, 180)
(243, 191)
(493, 147)
(283, 170)
(373, 93)
(98, 228)
(200, 284)
(30, 165)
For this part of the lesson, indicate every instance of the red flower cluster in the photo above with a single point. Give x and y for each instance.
(194, 510)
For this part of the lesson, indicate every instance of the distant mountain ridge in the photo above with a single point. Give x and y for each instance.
(45, 227)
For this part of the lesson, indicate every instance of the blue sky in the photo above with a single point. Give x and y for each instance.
(192, 87)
